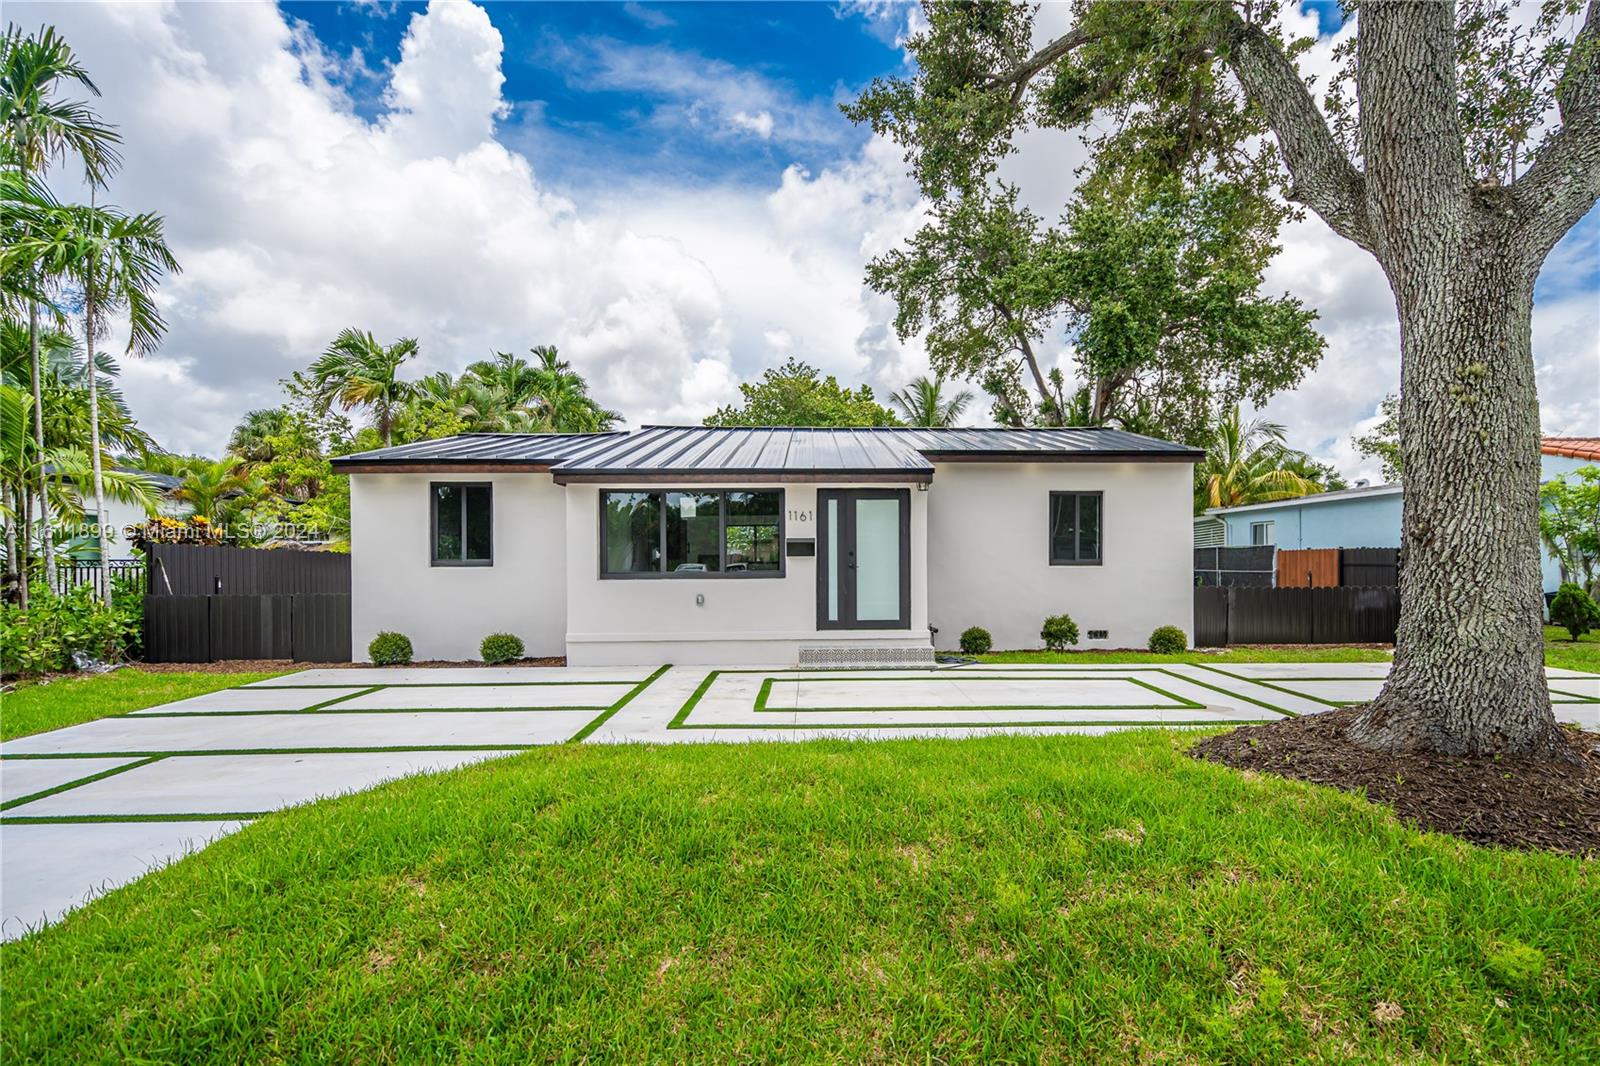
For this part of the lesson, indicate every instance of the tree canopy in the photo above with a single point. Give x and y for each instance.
(796, 394)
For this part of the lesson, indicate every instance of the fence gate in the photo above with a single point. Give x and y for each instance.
(209, 603)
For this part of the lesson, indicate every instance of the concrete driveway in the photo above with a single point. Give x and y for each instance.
(93, 806)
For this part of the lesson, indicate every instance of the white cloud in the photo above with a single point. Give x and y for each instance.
(294, 217)
(680, 89)
(759, 123)
(653, 17)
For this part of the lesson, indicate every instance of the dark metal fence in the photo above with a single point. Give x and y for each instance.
(203, 570)
(1369, 566)
(1344, 615)
(1231, 567)
(309, 628)
(211, 603)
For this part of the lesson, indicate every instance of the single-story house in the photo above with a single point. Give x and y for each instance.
(1361, 517)
(768, 545)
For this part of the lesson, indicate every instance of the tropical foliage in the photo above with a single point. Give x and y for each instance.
(1569, 525)
(55, 259)
(796, 394)
(1248, 462)
(923, 403)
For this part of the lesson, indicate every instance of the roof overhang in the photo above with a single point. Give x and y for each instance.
(1186, 456)
(745, 477)
(379, 466)
(1312, 498)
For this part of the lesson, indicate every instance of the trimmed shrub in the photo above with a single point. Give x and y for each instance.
(1575, 609)
(1059, 631)
(501, 648)
(1168, 640)
(975, 640)
(390, 649)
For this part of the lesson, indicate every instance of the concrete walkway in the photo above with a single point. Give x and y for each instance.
(93, 806)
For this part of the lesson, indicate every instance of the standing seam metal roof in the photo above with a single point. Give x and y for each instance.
(705, 449)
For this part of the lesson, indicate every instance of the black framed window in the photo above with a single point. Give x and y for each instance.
(1075, 528)
(463, 523)
(691, 533)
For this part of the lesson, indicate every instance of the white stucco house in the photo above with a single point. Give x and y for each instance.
(772, 545)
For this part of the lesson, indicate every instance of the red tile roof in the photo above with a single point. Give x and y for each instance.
(1572, 447)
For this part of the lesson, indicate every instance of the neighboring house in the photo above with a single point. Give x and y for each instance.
(119, 515)
(1362, 517)
(699, 545)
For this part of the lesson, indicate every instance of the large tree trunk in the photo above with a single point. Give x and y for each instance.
(1468, 674)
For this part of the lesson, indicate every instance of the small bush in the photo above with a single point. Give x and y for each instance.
(975, 640)
(1059, 631)
(501, 648)
(390, 649)
(1575, 609)
(1168, 640)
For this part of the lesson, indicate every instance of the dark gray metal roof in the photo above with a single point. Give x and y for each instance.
(1098, 441)
(474, 449)
(684, 451)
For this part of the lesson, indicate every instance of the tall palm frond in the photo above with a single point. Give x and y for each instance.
(1245, 463)
(37, 127)
(357, 371)
(923, 403)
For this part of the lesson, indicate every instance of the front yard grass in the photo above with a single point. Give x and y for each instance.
(1581, 654)
(997, 899)
(36, 707)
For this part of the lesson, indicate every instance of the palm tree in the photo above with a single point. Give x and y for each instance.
(357, 371)
(208, 486)
(36, 129)
(118, 260)
(923, 403)
(564, 395)
(1246, 463)
(251, 438)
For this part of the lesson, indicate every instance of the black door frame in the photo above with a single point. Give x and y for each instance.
(847, 546)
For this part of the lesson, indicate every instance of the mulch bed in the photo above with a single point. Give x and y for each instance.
(1514, 803)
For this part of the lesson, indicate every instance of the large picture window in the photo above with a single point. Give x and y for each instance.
(463, 524)
(691, 533)
(1075, 525)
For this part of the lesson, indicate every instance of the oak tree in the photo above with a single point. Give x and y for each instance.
(1457, 148)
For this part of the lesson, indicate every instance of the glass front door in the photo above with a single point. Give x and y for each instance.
(864, 559)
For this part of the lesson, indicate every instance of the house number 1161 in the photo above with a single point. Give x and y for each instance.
(799, 516)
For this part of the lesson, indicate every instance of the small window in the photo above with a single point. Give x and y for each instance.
(1075, 519)
(1261, 534)
(463, 524)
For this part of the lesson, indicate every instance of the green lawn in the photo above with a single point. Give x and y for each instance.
(35, 708)
(999, 899)
(1580, 654)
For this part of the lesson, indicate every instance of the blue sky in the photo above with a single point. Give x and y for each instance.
(597, 87)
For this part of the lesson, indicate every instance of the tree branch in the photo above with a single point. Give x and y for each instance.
(1323, 177)
(1564, 181)
(1020, 75)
